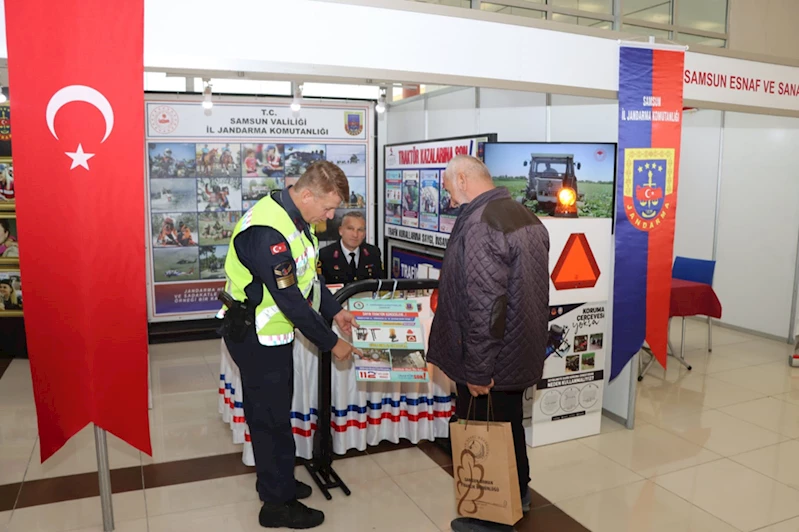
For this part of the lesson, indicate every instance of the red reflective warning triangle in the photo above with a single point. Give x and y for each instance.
(576, 267)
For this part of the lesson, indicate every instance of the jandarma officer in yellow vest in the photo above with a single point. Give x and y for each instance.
(271, 265)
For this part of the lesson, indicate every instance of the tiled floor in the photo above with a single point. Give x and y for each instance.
(714, 450)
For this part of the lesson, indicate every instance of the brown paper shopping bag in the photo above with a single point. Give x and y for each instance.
(484, 468)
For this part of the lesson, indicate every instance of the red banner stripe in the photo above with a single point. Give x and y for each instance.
(430, 416)
(667, 71)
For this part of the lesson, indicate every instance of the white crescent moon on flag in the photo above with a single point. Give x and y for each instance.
(648, 193)
(80, 93)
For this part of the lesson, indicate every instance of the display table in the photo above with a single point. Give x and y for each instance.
(689, 298)
(362, 413)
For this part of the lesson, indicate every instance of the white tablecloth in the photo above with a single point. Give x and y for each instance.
(362, 413)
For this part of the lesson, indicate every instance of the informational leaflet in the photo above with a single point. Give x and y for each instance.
(568, 399)
(394, 197)
(392, 340)
(428, 208)
(410, 198)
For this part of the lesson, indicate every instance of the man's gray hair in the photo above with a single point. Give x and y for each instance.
(354, 214)
(471, 167)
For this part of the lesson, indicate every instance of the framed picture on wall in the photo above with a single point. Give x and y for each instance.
(10, 293)
(7, 194)
(9, 241)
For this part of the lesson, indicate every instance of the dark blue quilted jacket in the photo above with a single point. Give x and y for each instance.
(493, 307)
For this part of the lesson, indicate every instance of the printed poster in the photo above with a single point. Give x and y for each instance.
(410, 198)
(394, 197)
(568, 398)
(418, 208)
(429, 200)
(392, 340)
(204, 173)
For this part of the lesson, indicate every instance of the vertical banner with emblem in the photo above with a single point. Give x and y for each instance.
(650, 127)
(79, 127)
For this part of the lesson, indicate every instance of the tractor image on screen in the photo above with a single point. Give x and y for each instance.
(552, 182)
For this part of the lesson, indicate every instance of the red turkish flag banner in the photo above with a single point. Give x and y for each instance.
(76, 77)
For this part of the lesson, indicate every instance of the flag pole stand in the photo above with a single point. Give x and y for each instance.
(104, 474)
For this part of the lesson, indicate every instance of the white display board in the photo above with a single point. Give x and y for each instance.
(205, 170)
(568, 398)
(567, 402)
(416, 208)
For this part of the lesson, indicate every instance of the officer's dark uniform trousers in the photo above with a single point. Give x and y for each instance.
(267, 379)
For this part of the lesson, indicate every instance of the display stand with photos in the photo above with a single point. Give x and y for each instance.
(567, 402)
(205, 171)
(10, 278)
(417, 208)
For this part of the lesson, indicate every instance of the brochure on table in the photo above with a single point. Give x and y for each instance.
(205, 171)
(417, 207)
(392, 340)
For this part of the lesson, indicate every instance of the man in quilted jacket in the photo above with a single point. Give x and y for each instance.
(490, 329)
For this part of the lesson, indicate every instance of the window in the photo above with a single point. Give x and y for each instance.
(689, 39)
(511, 10)
(594, 6)
(701, 22)
(583, 21)
(657, 11)
(646, 32)
(704, 15)
(454, 3)
(693, 22)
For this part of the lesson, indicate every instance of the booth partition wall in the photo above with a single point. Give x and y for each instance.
(737, 190)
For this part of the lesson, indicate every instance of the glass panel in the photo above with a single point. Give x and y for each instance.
(594, 6)
(454, 3)
(707, 15)
(508, 10)
(583, 21)
(646, 32)
(689, 39)
(649, 10)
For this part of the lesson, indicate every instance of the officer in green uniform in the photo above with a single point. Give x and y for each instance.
(272, 279)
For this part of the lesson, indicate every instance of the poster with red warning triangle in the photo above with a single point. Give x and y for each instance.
(579, 260)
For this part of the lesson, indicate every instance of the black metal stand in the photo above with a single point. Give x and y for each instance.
(320, 466)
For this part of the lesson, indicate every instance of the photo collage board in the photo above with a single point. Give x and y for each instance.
(199, 190)
(417, 206)
(10, 277)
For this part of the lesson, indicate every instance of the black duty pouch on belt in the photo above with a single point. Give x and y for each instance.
(239, 318)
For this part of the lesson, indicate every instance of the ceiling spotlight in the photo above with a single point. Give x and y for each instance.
(381, 101)
(207, 104)
(296, 102)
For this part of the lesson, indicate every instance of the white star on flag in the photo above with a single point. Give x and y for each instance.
(79, 158)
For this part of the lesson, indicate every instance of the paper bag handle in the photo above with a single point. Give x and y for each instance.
(490, 412)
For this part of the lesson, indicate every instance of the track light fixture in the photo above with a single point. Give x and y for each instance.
(381, 101)
(208, 104)
(296, 103)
